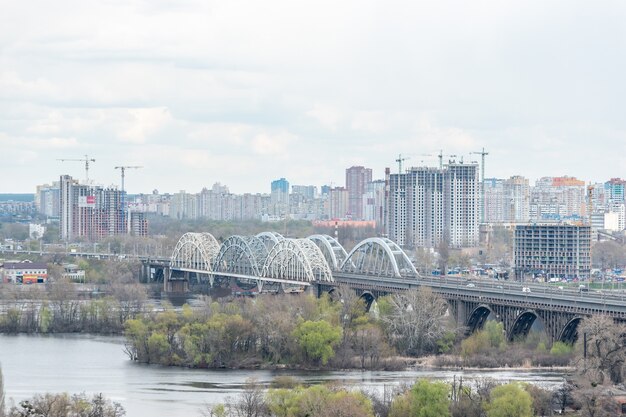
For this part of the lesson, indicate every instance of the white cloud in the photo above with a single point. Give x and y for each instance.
(280, 144)
(229, 88)
(328, 116)
(142, 123)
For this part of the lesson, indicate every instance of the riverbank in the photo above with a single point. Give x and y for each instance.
(434, 362)
(78, 363)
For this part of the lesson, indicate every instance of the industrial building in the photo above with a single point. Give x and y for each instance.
(552, 250)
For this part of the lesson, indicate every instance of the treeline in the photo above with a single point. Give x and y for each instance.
(65, 405)
(489, 348)
(60, 309)
(478, 398)
(295, 330)
(300, 330)
(277, 330)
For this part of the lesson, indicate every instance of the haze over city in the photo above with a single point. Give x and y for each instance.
(245, 92)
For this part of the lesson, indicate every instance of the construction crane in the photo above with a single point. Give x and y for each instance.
(482, 182)
(86, 161)
(400, 160)
(424, 154)
(440, 156)
(123, 168)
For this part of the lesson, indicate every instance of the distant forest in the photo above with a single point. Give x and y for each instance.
(27, 198)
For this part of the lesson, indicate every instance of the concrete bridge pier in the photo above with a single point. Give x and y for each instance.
(459, 309)
(145, 273)
(175, 285)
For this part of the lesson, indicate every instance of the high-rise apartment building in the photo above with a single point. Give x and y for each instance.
(462, 204)
(614, 189)
(517, 194)
(507, 201)
(339, 203)
(429, 205)
(309, 192)
(357, 178)
(374, 202)
(557, 198)
(280, 196)
(93, 212)
(47, 199)
(494, 200)
(184, 206)
(556, 250)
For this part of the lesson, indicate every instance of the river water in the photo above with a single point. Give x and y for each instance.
(98, 364)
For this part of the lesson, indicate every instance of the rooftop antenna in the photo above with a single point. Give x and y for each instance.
(86, 161)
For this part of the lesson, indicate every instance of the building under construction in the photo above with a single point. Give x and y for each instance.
(427, 206)
(558, 250)
(93, 212)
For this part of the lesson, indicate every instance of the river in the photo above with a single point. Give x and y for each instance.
(98, 364)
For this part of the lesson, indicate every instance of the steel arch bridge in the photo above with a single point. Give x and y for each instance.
(377, 267)
(270, 239)
(334, 253)
(195, 252)
(244, 255)
(379, 257)
(265, 258)
(299, 260)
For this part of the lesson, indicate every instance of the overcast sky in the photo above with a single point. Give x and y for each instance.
(244, 92)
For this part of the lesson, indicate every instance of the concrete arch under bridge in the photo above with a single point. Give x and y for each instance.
(337, 294)
(517, 322)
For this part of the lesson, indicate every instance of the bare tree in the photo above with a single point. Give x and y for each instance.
(605, 350)
(416, 320)
(563, 396)
(443, 250)
(594, 403)
(250, 403)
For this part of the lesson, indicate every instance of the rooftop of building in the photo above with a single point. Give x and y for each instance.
(25, 265)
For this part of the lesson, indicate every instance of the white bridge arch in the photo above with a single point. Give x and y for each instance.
(244, 255)
(332, 250)
(195, 252)
(379, 257)
(297, 260)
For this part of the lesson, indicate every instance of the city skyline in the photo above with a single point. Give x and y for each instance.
(245, 93)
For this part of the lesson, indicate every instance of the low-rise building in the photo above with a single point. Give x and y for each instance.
(24, 272)
(73, 273)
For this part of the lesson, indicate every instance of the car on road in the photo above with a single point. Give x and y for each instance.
(525, 289)
(471, 285)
